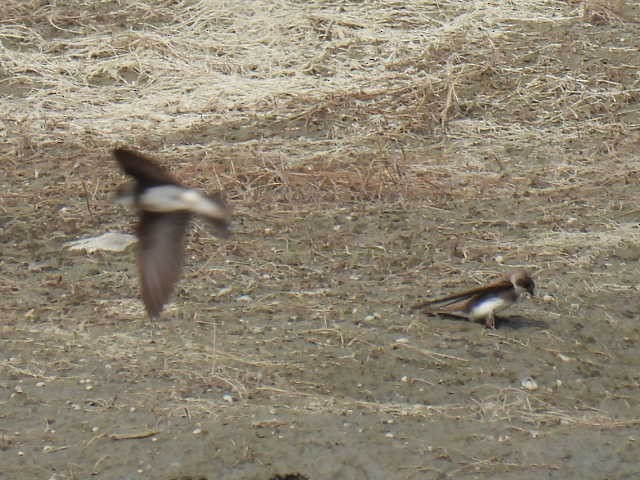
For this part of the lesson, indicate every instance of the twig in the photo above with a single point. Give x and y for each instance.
(133, 436)
(430, 353)
(86, 199)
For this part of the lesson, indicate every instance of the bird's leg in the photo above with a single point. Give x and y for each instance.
(490, 321)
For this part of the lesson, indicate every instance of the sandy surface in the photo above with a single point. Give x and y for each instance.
(375, 154)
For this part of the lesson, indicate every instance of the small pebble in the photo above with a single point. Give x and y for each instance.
(41, 384)
(223, 291)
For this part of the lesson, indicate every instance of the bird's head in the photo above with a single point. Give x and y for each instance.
(522, 282)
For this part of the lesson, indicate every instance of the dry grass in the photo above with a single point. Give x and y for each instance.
(604, 11)
(310, 101)
(374, 153)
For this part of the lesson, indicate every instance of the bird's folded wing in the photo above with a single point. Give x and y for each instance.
(461, 297)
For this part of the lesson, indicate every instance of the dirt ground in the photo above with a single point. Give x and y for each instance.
(375, 154)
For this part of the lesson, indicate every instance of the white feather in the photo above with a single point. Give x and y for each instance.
(484, 309)
(166, 198)
(171, 198)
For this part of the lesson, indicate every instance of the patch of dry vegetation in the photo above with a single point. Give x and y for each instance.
(317, 101)
(499, 132)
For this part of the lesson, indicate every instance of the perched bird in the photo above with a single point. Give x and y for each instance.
(482, 303)
(165, 208)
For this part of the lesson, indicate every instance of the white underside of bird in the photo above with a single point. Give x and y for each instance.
(488, 307)
(171, 198)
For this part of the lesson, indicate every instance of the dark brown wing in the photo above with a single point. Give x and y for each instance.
(160, 256)
(463, 305)
(146, 171)
(457, 300)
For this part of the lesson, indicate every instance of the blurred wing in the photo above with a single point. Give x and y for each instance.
(146, 171)
(220, 224)
(459, 301)
(160, 256)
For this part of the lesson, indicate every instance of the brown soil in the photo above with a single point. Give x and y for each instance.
(375, 154)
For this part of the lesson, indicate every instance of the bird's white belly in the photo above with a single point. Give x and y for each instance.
(169, 198)
(484, 309)
(166, 198)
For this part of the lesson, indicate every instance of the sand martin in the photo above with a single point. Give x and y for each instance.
(164, 207)
(482, 303)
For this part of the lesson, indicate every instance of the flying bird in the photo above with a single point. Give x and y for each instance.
(482, 303)
(164, 208)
